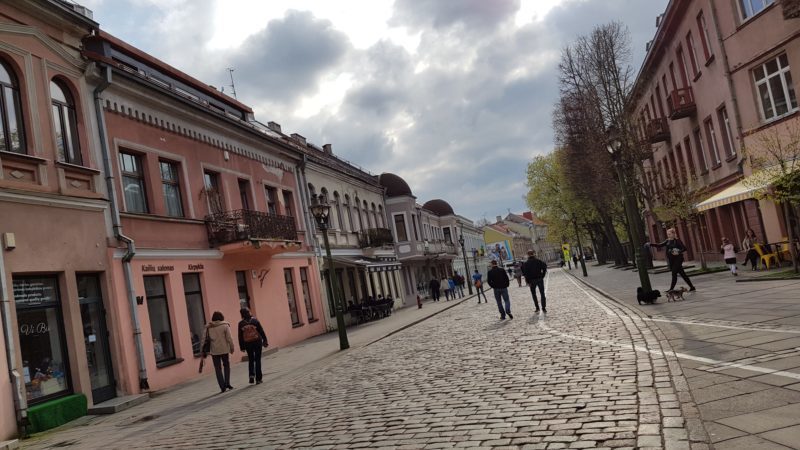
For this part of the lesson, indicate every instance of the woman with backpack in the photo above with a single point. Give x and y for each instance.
(251, 339)
(218, 343)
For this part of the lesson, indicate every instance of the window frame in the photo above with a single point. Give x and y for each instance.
(165, 297)
(711, 137)
(174, 168)
(271, 194)
(787, 88)
(244, 193)
(243, 288)
(727, 135)
(743, 14)
(199, 292)
(692, 49)
(307, 300)
(705, 37)
(402, 217)
(139, 176)
(6, 143)
(697, 135)
(212, 186)
(65, 125)
(291, 297)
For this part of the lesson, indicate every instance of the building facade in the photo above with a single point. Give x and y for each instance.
(527, 224)
(715, 77)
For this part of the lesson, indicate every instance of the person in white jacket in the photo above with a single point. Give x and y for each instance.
(729, 253)
(218, 342)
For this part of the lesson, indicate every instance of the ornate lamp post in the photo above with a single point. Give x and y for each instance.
(466, 264)
(320, 209)
(628, 201)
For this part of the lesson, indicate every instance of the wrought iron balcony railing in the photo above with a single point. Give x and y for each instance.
(658, 130)
(375, 237)
(244, 225)
(681, 103)
(438, 247)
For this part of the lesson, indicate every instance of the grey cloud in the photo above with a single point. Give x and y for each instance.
(447, 13)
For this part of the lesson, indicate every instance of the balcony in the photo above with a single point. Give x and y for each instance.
(375, 237)
(245, 225)
(440, 247)
(658, 131)
(681, 103)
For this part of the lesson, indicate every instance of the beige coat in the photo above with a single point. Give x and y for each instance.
(220, 334)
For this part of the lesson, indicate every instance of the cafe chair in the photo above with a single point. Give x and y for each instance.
(766, 257)
(785, 253)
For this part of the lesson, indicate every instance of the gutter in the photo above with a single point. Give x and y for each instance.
(117, 226)
(20, 401)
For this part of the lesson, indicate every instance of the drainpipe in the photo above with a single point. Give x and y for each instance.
(729, 80)
(20, 402)
(117, 226)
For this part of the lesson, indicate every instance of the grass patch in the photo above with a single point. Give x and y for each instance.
(787, 274)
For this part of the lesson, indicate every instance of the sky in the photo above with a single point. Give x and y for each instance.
(455, 96)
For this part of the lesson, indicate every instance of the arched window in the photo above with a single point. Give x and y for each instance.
(12, 133)
(380, 216)
(338, 205)
(65, 124)
(366, 215)
(348, 213)
(374, 216)
(358, 214)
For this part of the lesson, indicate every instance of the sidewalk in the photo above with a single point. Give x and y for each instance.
(281, 366)
(739, 347)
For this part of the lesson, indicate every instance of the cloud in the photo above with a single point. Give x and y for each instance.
(438, 14)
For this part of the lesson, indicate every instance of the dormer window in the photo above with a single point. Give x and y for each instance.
(65, 124)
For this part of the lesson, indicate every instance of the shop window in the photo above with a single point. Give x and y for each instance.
(241, 287)
(160, 326)
(775, 88)
(65, 124)
(41, 338)
(306, 294)
(170, 183)
(291, 296)
(194, 309)
(12, 133)
(133, 185)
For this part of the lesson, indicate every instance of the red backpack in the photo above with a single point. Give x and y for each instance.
(250, 332)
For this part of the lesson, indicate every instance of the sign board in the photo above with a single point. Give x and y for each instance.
(499, 251)
(35, 291)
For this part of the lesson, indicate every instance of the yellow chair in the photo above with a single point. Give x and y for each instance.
(765, 257)
(785, 253)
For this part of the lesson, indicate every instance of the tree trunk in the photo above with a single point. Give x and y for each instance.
(787, 217)
(611, 234)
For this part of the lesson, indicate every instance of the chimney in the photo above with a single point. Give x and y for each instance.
(499, 219)
(327, 149)
(299, 138)
(276, 127)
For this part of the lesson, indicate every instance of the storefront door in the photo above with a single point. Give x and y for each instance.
(95, 335)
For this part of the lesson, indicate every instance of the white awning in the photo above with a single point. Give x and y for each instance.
(744, 189)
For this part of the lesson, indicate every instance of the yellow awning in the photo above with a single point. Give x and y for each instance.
(744, 189)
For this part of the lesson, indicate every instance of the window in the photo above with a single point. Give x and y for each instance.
(701, 149)
(337, 200)
(244, 194)
(447, 237)
(158, 310)
(65, 124)
(358, 215)
(348, 213)
(687, 146)
(711, 136)
(42, 342)
(374, 216)
(749, 8)
(381, 217)
(213, 192)
(400, 227)
(727, 136)
(290, 295)
(775, 88)
(241, 287)
(680, 166)
(414, 226)
(660, 102)
(288, 203)
(704, 36)
(194, 309)
(682, 67)
(172, 188)
(12, 133)
(272, 202)
(133, 185)
(692, 54)
(366, 215)
(307, 293)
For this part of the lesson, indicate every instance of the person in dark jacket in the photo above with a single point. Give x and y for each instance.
(534, 271)
(675, 250)
(498, 281)
(434, 287)
(251, 339)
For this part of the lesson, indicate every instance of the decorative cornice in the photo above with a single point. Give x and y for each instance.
(44, 39)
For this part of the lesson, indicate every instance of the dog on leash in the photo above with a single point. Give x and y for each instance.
(675, 294)
(647, 297)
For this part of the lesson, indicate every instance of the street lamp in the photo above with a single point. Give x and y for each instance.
(321, 210)
(464, 255)
(628, 201)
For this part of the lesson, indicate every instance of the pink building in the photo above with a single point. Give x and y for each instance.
(716, 75)
(210, 198)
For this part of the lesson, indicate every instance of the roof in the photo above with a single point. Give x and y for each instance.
(395, 186)
(439, 207)
(533, 218)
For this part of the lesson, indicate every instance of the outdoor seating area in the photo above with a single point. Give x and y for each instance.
(370, 309)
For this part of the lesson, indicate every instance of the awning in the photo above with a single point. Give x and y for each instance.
(744, 189)
(371, 264)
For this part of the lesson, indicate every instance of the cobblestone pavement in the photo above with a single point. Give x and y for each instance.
(591, 374)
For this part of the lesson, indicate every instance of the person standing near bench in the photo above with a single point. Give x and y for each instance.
(535, 270)
(251, 339)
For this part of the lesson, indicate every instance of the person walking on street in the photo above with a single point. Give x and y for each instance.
(477, 280)
(729, 253)
(575, 259)
(498, 281)
(459, 281)
(451, 280)
(518, 273)
(535, 270)
(251, 339)
(446, 288)
(749, 246)
(675, 250)
(434, 287)
(219, 344)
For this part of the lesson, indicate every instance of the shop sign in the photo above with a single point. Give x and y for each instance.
(33, 329)
(196, 267)
(154, 268)
(34, 291)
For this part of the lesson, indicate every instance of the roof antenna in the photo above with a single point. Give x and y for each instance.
(233, 85)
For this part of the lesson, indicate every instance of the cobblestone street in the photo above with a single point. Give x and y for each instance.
(591, 374)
